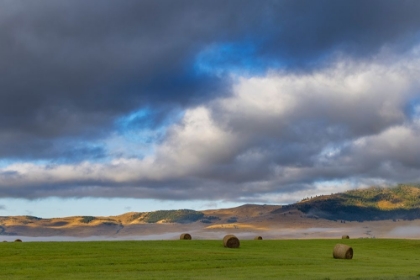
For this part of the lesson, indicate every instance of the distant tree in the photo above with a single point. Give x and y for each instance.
(174, 216)
(87, 219)
(232, 220)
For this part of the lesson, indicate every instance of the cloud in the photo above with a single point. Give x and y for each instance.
(273, 138)
(391, 155)
(69, 70)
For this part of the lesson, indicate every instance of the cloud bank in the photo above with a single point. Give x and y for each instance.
(277, 133)
(224, 100)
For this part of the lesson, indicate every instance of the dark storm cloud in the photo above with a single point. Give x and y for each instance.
(308, 30)
(68, 69)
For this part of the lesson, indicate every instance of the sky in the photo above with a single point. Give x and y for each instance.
(110, 106)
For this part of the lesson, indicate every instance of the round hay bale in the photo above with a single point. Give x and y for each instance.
(18, 240)
(345, 237)
(185, 236)
(342, 251)
(231, 241)
(257, 238)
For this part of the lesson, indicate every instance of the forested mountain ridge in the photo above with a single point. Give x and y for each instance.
(374, 203)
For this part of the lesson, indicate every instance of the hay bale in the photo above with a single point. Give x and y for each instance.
(342, 251)
(18, 240)
(257, 238)
(185, 236)
(345, 237)
(231, 241)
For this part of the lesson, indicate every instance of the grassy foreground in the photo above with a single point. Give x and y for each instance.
(198, 259)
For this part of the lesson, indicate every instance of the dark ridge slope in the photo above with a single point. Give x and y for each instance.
(374, 203)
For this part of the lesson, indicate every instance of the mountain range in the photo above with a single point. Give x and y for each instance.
(374, 206)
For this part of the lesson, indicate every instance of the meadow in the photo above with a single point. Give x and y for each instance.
(208, 259)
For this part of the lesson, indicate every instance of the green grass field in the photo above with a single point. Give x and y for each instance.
(198, 259)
